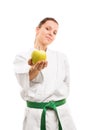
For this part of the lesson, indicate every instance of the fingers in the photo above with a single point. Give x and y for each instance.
(44, 64)
(41, 65)
(30, 62)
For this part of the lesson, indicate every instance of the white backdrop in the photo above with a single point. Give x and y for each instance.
(18, 19)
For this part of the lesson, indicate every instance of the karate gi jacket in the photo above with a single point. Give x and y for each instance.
(52, 83)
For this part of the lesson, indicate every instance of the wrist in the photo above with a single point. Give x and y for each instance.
(33, 69)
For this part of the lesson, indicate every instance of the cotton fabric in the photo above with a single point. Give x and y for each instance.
(52, 83)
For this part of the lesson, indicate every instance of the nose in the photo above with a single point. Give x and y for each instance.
(50, 33)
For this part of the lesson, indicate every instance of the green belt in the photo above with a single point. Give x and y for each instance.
(47, 105)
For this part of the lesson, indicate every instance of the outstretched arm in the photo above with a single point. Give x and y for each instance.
(36, 68)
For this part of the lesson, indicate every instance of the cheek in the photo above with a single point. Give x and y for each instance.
(42, 34)
(54, 37)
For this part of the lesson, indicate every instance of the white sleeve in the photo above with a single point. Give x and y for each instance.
(67, 71)
(21, 69)
(21, 65)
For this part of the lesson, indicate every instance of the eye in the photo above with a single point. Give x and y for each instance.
(47, 28)
(54, 32)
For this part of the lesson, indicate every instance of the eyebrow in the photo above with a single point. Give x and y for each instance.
(49, 26)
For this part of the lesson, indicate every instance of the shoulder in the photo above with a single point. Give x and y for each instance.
(59, 54)
(24, 55)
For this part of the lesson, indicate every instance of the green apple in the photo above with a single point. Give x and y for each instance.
(38, 55)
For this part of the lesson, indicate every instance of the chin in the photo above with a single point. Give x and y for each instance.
(48, 42)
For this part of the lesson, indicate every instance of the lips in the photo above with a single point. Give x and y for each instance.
(48, 38)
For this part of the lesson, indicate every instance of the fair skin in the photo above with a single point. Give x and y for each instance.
(45, 35)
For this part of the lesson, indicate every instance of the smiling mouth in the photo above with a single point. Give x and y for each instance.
(48, 38)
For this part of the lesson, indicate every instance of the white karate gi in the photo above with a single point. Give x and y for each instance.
(52, 83)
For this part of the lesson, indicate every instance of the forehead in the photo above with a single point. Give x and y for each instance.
(51, 24)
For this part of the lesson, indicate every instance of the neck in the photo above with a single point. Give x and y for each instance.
(40, 47)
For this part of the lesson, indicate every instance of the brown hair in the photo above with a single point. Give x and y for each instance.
(45, 20)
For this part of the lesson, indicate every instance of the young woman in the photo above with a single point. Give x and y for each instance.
(45, 84)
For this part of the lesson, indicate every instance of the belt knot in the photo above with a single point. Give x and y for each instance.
(45, 106)
(50, 105)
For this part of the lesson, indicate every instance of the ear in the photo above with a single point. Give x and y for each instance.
(37, 30)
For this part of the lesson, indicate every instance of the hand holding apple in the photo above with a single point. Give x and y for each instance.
(38, 55)
(39, 65)
(36, 68)
(38, 60)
